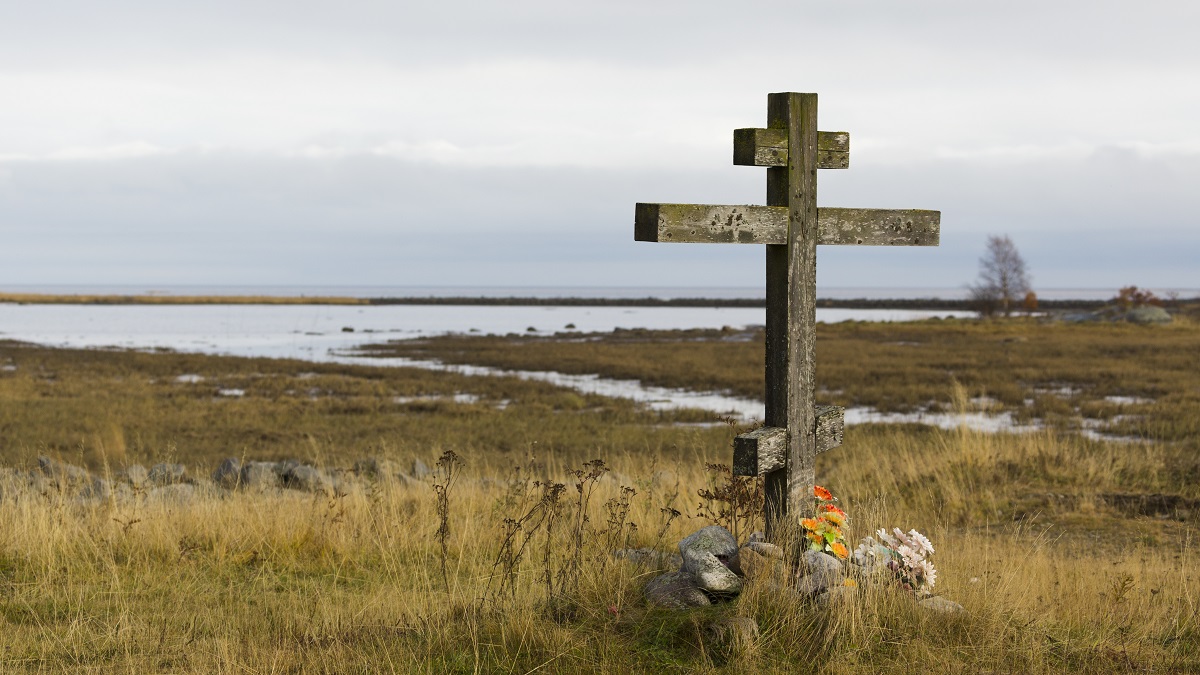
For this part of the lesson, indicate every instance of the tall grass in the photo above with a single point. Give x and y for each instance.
(287, 582)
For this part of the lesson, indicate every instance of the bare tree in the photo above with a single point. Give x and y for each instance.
(1003, 281)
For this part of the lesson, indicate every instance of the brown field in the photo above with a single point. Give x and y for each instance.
(1069, 554)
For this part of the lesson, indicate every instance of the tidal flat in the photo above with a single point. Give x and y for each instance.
(1070, 554)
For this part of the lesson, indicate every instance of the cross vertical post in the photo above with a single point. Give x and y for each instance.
(791, 225)
(791, 308)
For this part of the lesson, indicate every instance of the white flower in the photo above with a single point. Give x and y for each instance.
(921, 541)
(887, 539)
(928, 573)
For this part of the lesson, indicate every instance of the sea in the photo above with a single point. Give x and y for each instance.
(336, 333)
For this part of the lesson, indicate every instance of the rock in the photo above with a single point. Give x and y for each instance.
(64, 475)
(176, 493)
(818, 572)
(377, 469)
(229, 473)
(675, 590)
(710, 556)
(282, 468)
(99, 489)
(765, 549)
(758, 567)
(1148, 314)
(420, 470)
(822, 564)
(649, 557)
(757, 537)
(306, 478)
(734, 630)
(937, 603)
(136, 475)
(835, 595)
(258, 475)
(167, 474)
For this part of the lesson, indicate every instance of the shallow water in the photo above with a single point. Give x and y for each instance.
(321, 333)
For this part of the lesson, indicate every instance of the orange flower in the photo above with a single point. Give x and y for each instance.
(834, 518)
(833, 509)
(839, 549)
(822, 494)
(810, 524)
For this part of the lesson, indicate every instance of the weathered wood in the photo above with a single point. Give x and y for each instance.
(719, 224)
(791, 226)
(879, 227)
(760, 451)
(765, 449)
(799, 113)
(769, 147)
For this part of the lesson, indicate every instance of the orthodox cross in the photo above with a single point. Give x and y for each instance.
(791, 226)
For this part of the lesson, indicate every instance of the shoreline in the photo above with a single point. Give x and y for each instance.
(929, 304)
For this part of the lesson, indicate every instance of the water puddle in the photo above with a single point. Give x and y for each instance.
(741, 410)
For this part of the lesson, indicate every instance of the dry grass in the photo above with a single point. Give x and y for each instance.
(1058, 572)
(288, 582)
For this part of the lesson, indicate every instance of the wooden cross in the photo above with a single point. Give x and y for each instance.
(790, 225)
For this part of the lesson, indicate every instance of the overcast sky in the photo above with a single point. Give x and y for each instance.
(505, 143)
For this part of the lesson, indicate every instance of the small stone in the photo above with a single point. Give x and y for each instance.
(939, 604)
(675, 590)
(259, 475)
(229, 473)
(177, 493)
(136, 475)
(835, 595)
(758, 567)
(377, 469)
(282, 468)
(306, 478)
(420, 470)
(710, 556)
(765, 549)
(734, 630)
(819, 571)
(65, 475)
(166, 473)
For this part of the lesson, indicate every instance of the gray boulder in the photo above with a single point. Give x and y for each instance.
(734, 630)
(63, 475)
(166, 473)
(675, 590)
(228, 473)
(306, 478)
(835, 595)
(819, 572)
(259, 475)
(136, 475)
(710, 556)
(175, 493)
(765, 549)
(1148, 314)
(375, 468)
(420, 470)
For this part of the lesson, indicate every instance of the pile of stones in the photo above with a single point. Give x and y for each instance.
(712, 568)
(174, 482)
